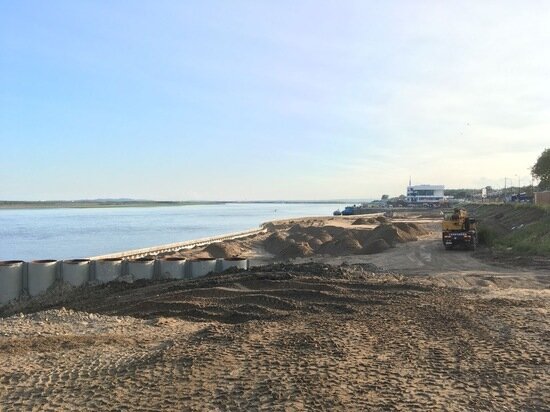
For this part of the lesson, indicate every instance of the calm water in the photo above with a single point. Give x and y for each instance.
(75, 233)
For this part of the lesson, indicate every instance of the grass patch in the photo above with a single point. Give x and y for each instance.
(486, 236)
(516, 229)
(532, 239)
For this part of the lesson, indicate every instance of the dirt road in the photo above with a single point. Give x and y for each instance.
(426, 258)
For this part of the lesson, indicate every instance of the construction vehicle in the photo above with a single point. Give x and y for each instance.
(458, 229)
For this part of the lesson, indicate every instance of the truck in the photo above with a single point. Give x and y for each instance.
(458, 229)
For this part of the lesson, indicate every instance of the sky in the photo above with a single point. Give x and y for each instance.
(258, 100)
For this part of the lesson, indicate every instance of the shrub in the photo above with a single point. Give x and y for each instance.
(486, 236)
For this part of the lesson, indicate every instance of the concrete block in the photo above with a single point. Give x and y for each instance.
(11, 280)
(240, 263)
(173, 268)
(41, 276)
(107, 270)
(201, 267)
(141, 268)
(75, 272)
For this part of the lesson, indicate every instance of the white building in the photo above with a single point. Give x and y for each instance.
(425, 193)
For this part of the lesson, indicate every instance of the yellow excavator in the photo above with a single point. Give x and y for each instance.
(459, 230)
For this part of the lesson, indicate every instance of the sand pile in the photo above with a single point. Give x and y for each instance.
(275, 243)
(224, 250)
(361, 235)
(316, 231)
(302, 240)
(419, 230)
(297, 228)
(300, 237)
(409, 231)
(315, 243)
(345, 244)
(295, 249)
(365, 221)
(323, 234)
(390, 234)
(375, 246)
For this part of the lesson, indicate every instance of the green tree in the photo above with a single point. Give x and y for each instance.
(541, 170)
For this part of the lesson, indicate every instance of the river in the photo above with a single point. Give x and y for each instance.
(30, 234)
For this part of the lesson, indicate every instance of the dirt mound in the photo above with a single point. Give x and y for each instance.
(403, 226)
(411, 228)
(365, 221)
(315, 243)
(419, 230)
(376, 246)
(224, 249)
(321, 234)
(324, 236)
(345, 244)
(275, 243)
(381, 219)
(332, 231)
(316, 231)
(405, 233)
(297, 228)
(270, 226)
(295, 249)
(390, 234)
(361, 235)
(300, 237)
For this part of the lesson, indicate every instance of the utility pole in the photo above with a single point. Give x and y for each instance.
(505, 179)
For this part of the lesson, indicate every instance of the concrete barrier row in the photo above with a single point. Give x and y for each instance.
(34, 278)
(174, 247)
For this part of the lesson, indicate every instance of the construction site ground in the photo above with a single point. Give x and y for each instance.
(411, 328)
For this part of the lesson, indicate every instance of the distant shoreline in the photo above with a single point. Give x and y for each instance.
(98, 204)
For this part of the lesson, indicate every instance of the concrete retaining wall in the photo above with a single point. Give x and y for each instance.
(75, 272)
(41, 276)
(141, 268)
(19, 278)
(173, 268)
(239, 263)
(11, 280)
(201, 267)
(107, 270)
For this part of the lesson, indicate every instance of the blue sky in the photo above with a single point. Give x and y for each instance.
(269, 100)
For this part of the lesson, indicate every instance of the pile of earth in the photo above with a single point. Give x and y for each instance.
(365, 221)
(224, 249)
(295, 249)
(304, 241)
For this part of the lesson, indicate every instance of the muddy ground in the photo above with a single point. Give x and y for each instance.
(281, 337)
